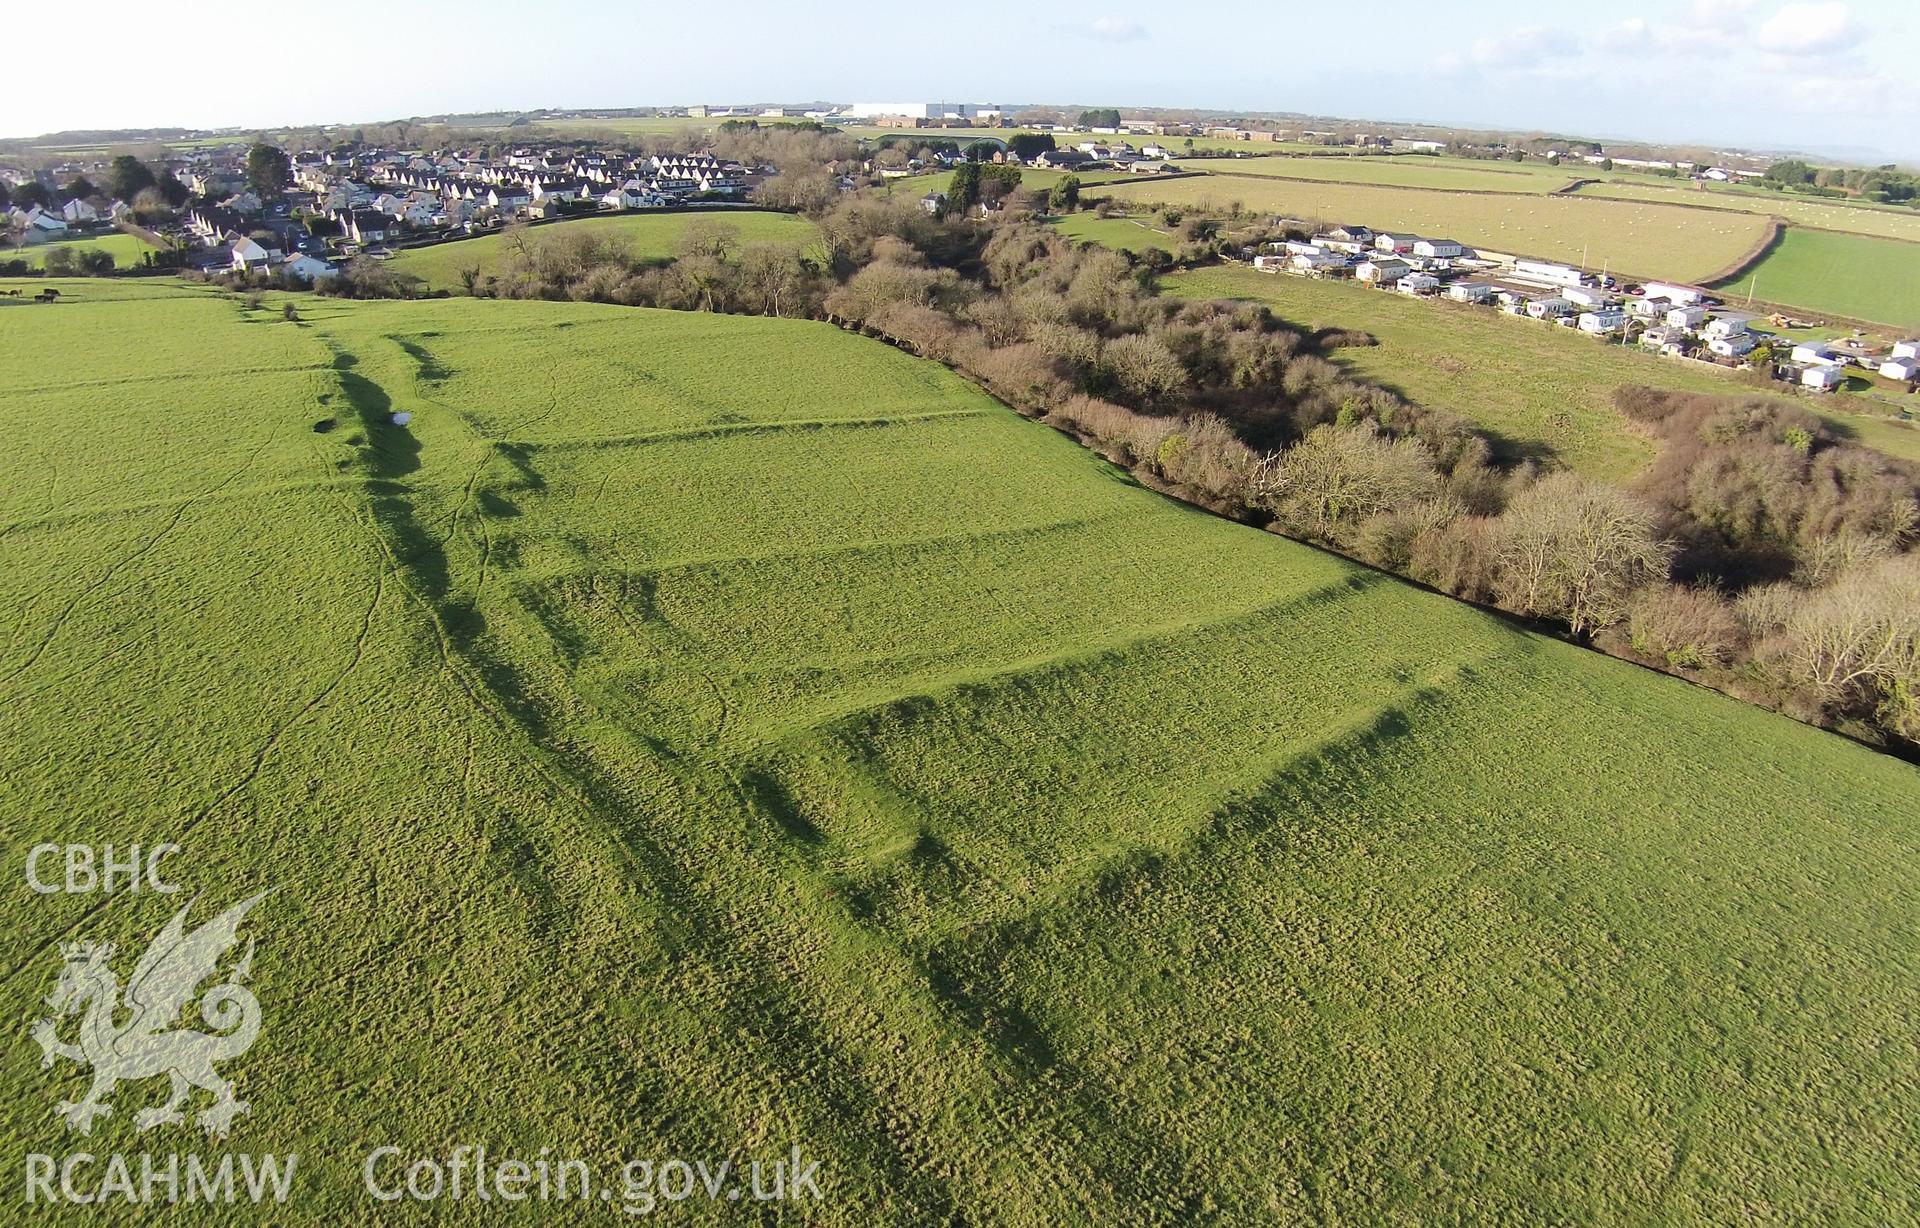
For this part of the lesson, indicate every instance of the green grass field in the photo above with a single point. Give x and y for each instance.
(1420, 172)
(1883, 221)
(1128, 234)
(1647, 240)
(650, 236)
(1849, 275)
(695, 736)
(127, 250)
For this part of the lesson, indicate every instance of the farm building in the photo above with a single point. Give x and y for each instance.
(1686, 317)
(1822, 378)
(1903, 369)
(1470, 292)
(1601, 323)
(1549, 308)
(1726, 326)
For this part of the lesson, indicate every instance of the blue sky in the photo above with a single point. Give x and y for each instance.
(1807, 73)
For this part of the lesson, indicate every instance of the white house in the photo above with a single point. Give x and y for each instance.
(1726, 326)
(1679, 296)
(1316, 263)
(1418, 283)
(1906, 349)
(1738, 345)
(1270, 263)
(1470, 292)
(1395, 243)
(1586, 296)
(1816, 353)
(308, 268)
(1299, 248)
(1600, 323)
(933, 201)
(1649, 308)
(1822, 378)
(1902, 369)
(1543, 308)
(1437, 249)
(1686, 317)
(250, 255)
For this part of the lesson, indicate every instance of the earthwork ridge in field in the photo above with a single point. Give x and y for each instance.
(649, 750)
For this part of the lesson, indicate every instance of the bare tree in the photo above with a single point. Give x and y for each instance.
(1575, 550)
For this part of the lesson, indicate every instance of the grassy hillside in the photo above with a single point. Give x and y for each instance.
(1850, 275)
(650, 236)
(698, 735)
(1652, 240)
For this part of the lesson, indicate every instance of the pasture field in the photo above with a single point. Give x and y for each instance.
(650, 236)
(1125, 233)
(125, 249)
(1849, 275)
(1541, 390)
(1881, 221)
(1420, 172)
(656, 753)
(1646, 240)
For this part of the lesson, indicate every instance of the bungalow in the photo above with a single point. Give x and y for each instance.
(1352, 234)
(1726, 326)
(1679, 296)
(1822, 377)
(307, 268)
(933, 202)
(1688, 318)
(1062, 160)
(1817, 353)
(1906, 349)
(1395, 243)
(1735, 345)
(1319, 264)
(1905, 370)
(1549, 308)
(1604, 322)
(1649, 308)
(1298, 248)
(1270, 263)
(1470, 292)
(1670, 341)
(1437, 249)
(1586, 296)
(1332, 242)
(1512, 302)
(1552, 274)
(1418, 284)
(1382, 271)
(79, 211)
(629, 195)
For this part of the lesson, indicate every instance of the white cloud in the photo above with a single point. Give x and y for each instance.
(1811, 29)
(1633, 34)
(1114, 29)
(1524, 47)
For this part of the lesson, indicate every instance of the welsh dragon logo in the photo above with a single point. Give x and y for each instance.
(130, 1036)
